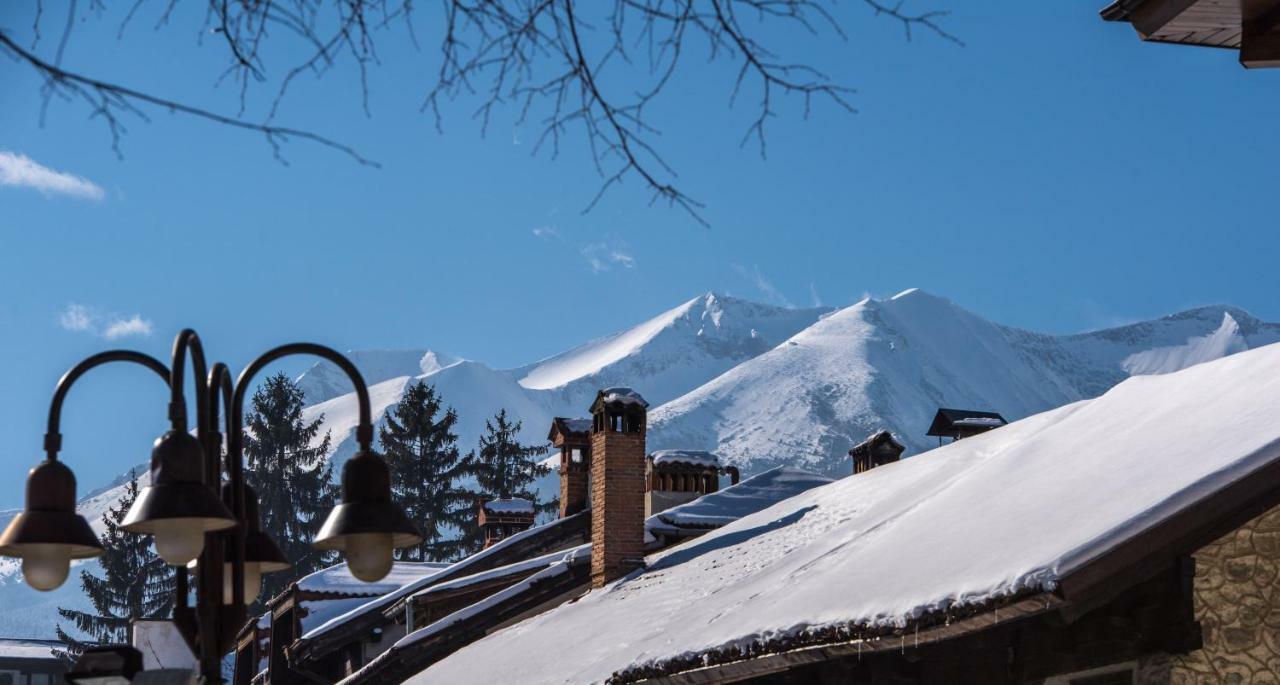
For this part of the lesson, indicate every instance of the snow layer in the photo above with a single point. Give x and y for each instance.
(454, 570)
(17, 648)
(1197, 350)
(338, 578)
(324, 381)
(962, 524)
(692, 457)
(512, 505)
(736, 501)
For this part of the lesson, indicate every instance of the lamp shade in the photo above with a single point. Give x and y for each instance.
(259, 548)
(177, 507)
(48, 533)
(366, 507)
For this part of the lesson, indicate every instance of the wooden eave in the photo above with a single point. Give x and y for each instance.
(1245, 25)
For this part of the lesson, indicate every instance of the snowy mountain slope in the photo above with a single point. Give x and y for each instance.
(671, 353)
(324, 381)
(668, 355)
(892, 363)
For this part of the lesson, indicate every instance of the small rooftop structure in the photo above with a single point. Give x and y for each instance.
(963, 423)
(503, 517)
(674, 477)
(878, 449)
(573, 438)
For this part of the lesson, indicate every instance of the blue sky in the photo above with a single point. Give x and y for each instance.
(1054, 173)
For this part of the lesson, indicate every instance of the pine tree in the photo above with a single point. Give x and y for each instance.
(293, 480)
(136, 583)
(502, 467)
(421, 449)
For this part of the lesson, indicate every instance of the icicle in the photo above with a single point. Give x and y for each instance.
(859, 648)
(904, 643)
(917, 645)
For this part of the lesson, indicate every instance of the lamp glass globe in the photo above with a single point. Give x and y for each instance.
(45, 566)
(369, 555)
(178, 541)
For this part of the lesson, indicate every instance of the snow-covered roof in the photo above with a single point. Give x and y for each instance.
(338, 579)
(878, 436)
(960, 526)
(726, 506)
(21, 648)
(978, 421)
(509, 505)
(623, 395)
(691, 457)
(455, 569)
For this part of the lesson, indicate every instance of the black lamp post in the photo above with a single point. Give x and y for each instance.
(197, 518)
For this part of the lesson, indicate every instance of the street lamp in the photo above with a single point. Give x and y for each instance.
(181, 506)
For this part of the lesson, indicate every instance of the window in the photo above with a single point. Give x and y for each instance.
(576, 456)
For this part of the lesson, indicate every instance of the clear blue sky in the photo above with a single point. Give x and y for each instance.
(1055, 173)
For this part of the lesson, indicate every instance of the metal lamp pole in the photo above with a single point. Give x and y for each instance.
(193, 513)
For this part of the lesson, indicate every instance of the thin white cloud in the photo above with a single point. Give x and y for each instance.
(762, 284)
(79, 318)
(76, 317)
(605, 256)
(20, 171)
(546, 233)
(814, 297)
(123, 328)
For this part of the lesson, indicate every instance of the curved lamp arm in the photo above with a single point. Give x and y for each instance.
(220, 394)
(52, 436)
(364, 430)
(188, 341)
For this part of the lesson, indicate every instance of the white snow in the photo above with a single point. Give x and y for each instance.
(736, 501)
(960, 525)
(889, 364)
(622, 395)
(18, 648)
(509, 505)
(1220, 343)
(691, 457)
(503, 571)
(455, 570)
(338, 578)
(978, 421)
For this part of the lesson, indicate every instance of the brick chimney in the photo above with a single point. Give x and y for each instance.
(617, 483)
(573, 438)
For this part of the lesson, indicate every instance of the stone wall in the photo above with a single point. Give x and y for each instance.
(1237, 602)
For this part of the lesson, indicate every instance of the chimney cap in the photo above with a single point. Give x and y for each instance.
(562, 428)
(618, 395)
(691, 457)
(876, 440)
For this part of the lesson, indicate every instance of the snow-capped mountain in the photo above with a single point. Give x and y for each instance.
(761, 385)
(892, 363)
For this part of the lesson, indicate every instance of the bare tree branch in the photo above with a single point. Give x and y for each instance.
(110, 101)
(565, 64)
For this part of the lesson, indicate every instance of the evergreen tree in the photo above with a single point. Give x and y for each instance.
(502, 467)
(293, 480)
(421, 448)
(136, 583)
